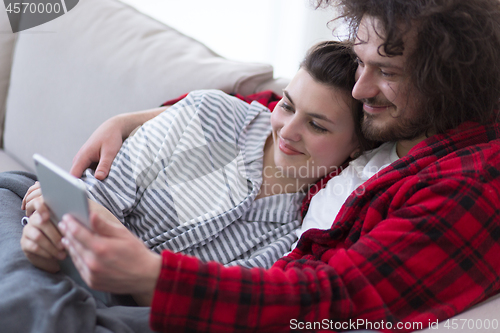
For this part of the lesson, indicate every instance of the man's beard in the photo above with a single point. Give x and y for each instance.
(403, 128)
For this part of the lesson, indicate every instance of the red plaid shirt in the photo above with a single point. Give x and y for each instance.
(420, 244)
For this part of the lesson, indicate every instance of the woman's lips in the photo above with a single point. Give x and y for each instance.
(288, 149)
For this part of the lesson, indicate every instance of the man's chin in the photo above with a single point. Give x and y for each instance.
(379, 135)
(374, 131)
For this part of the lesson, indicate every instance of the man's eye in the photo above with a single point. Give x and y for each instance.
(386, 74)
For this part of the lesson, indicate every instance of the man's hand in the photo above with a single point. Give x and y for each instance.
(105, 142)
(41, 241)
(101, 148)
(110, 258)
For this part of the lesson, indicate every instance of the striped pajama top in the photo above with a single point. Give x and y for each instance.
(188, 179)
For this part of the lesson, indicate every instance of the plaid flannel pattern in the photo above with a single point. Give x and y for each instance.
(420, 244)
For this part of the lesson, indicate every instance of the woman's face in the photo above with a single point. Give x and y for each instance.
(312, 128)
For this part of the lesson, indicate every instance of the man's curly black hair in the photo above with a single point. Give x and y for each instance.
(455, 65)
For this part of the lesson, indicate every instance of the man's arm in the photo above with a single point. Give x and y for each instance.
(105, 142)
(423, 249)
(414, 266)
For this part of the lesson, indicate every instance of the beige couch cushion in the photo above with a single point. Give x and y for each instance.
(7, 39)
(7, 163)
(100, 59)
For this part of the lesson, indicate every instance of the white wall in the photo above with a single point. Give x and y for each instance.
(270, 31)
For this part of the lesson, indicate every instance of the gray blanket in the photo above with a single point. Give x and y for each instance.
(32, 300)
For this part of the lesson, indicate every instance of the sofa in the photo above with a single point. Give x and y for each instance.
(60, 80)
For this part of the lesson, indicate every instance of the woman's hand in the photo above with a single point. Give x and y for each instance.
(33, 192)
(105, 142)
(41, 241)
(110, 258)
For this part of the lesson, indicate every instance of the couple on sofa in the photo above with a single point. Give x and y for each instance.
(415, 244)
(221, 179)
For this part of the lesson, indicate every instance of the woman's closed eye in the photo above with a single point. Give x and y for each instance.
(315, 127)
(287, 107)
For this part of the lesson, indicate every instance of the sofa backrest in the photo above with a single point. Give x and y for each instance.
(100, 59)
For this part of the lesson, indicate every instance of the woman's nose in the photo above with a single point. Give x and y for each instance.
(291, 129)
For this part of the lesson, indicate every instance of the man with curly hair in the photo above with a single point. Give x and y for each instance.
(419, 243)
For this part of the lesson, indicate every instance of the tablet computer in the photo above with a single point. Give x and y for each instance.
(62, 193)
(65, 194)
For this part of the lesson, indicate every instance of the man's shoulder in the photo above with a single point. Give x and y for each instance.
(480, 162)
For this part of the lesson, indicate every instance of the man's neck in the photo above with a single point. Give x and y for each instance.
(404, 146)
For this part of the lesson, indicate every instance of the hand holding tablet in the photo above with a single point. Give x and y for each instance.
(65, 194)
(62, 193)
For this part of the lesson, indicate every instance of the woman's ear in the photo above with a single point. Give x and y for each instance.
(356, 153)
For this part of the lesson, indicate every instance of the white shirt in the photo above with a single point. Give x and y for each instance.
(326, 204)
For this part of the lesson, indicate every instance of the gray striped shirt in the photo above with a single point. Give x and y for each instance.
(187, 182)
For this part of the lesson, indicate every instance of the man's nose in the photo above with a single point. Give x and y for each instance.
(366, 86)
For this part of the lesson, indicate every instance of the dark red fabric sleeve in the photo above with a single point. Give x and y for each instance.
(267, 98)
(397, 273)
(413, 248)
